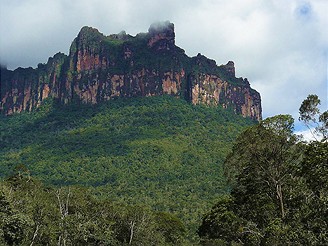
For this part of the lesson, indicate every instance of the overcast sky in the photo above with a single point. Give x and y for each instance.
(281, 46)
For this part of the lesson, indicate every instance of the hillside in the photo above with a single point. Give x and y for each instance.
(161, 152)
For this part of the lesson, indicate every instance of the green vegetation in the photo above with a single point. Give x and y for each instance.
(141, 171)
(33, 214)
(279, 186)
(159, 152)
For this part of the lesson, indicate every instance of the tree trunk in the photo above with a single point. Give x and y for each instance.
(132, 223)
(34, 235)
(281, 201)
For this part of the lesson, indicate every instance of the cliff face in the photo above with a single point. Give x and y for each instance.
(25, 88)
(100, 67)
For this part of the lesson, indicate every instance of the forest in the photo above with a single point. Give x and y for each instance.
(159, 171)
(278, 183)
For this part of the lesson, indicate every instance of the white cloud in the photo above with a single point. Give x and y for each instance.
(308, 135)
(280, 46)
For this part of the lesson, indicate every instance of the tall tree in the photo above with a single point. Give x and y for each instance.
(314, 169)
(310, 114)
(260, 162)
(279, 184)
(261, 169)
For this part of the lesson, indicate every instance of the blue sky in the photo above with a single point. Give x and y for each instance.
(280, 46)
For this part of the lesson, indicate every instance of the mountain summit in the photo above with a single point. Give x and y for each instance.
(99, 68)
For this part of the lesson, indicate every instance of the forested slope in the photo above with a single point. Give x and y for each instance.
(161, 152)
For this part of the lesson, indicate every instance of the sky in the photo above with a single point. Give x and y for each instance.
(280, 46)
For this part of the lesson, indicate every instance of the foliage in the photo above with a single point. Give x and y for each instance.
(38, 215)
(312, 117)
(221, 222)
(158, 151)
(279, 189)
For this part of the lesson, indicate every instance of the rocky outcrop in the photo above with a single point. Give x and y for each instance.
(99, 68)
(212, 90)
(25, 88)
(162, 36)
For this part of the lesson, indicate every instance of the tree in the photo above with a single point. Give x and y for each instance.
(14, 225)
(312, 118)
(314, 169)
(260, 170)
(171, 228)
(15, 228)
(260, 163)
(221, 222)
(279, 185)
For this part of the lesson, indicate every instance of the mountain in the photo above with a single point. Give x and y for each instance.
(99, 68)
(128, 118)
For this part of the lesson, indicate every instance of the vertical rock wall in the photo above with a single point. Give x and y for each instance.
(100, 67)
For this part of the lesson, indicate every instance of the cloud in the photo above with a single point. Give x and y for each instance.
(308, 135)
(280, 46)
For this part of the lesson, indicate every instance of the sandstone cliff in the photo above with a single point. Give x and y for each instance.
(101, 67)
